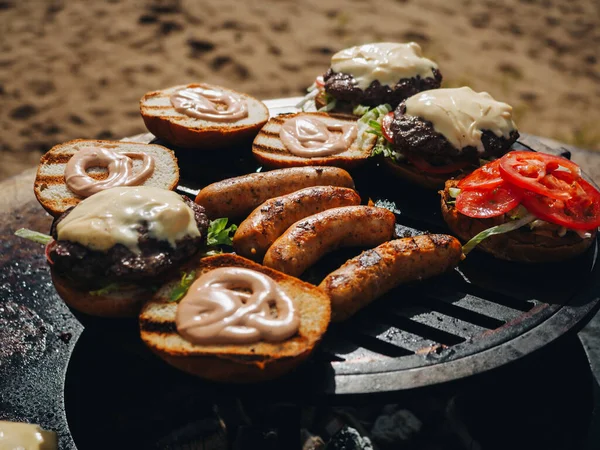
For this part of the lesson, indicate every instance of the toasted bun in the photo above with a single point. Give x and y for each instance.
(184, 131)
(117, 304)
(518, 245)
(410, 173)
(54, 195)
(236, 363)
(270, 151)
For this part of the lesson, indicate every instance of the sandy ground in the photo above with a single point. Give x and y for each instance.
(76, 69)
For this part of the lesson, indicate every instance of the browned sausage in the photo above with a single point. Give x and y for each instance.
(270, 220)
(237, 197)
(306, 241)
(374, 272)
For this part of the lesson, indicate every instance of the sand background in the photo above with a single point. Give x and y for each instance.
(76, 69)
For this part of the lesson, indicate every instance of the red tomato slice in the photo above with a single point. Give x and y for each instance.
(581, 212)
(386, 124)
(533, 171)
(319, 81)
(490, 202)
(424, 166)
(47, 251)
(484, 178)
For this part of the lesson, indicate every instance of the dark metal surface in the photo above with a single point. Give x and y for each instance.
(486, 314)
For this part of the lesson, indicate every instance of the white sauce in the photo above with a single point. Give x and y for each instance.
(113, 216)
(26, 436)
(308, 136)
(206, 103)
(461, 115)
(386, 62)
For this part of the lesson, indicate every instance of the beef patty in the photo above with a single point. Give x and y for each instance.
(93, 269)
(414, 134)
(342, 86)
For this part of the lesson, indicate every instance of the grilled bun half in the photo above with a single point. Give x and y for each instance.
(236, 363)
(522, 245)
(185, 131)
(51, 189)
(269, 149)
(121, 303)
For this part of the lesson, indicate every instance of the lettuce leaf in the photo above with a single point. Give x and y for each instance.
(187, 278)
(219, 233)
(34, 236)
(498, 229)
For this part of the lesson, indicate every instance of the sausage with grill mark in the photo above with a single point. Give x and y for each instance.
(374, 272)
(270, 220)
(237, 197)
(306, 241)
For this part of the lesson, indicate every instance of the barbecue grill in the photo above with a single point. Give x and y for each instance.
(484, 315)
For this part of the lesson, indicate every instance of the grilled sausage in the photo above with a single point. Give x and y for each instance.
(374, 272)
(270, 220)
(306, 241)
(237, 197)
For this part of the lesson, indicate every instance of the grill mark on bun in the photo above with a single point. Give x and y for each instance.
(56, 158)
(151, 326)
(264, 132)
(268, 148)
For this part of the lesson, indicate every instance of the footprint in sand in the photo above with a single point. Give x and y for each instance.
(23, 112)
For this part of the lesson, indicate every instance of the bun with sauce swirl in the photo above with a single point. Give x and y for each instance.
(52, 190)
(271, 148)
(178, 128)
(241, 363)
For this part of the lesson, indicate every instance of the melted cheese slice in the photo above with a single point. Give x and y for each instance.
(461, 115)
(386, 62)
(113, 217)
(26, 436)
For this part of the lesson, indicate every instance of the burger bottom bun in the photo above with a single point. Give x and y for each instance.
(232, 368)
(518, 245)
(411, 174)
(118, 304)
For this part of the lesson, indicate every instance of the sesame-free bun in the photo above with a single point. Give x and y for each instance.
(269, 150)
(51, 189)
(184, 131)
(236, 363)
(120, 303)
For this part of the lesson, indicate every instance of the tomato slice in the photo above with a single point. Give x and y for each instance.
(484, 178)
(421, 164)
(489, 203)
(47, 251)
(536, 172)
(319, 81)
(580, 212)
(386, 124)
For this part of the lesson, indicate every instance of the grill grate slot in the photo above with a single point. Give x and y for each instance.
(494, 296)
(467, 315)
(377, 327)
(344, 350)
(364, 338)
(419, 328)
(478, 305)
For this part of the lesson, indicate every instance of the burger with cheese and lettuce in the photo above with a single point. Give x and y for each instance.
(369, 75)
(441, 134)
(109, 253)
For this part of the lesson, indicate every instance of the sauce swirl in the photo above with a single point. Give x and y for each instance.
(308, 136)
(119, 166)
(234, 305)
(209, 104)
